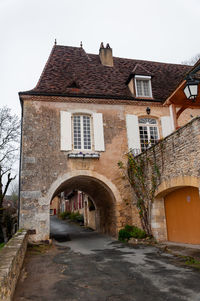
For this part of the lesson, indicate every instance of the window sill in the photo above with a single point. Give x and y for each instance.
(84, 155)
(144, 97)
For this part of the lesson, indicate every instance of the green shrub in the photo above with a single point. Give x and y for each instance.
(64, 215)
(76, 217)
(73, 215)
(138, 233)
(129, 228)
(131, 231)
(80, 218)
(124, 235)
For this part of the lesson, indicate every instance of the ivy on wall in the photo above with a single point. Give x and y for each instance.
(143, 175)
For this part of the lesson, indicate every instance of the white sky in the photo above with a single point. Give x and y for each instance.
(158, 30)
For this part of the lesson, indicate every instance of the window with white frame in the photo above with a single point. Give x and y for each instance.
(148, 130)
(82, 132)
(143, 86)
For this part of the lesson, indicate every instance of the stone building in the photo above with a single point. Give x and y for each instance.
(84, 114)
(78, 201)
(55, 205)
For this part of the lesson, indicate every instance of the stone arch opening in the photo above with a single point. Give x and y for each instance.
(99, 192)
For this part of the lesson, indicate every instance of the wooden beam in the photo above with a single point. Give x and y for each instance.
(172, 109)
(180, 111)
(169, 100)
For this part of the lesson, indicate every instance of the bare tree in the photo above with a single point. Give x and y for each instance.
(9, 147)
(192, 60)
(14, 192)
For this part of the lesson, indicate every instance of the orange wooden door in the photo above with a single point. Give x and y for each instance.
(182, 209)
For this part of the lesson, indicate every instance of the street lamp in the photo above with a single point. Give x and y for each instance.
(148, 110)
(191, 88)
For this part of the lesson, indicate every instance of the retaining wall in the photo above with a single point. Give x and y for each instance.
(11, 260)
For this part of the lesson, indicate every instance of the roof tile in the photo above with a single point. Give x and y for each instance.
(72, 64)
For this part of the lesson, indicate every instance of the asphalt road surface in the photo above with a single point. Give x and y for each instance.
(84, 265)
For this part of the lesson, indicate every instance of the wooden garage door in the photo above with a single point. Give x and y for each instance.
(182, 209)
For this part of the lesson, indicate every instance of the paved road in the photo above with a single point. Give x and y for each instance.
(92, 267)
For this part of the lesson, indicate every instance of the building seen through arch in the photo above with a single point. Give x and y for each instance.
(76, 202)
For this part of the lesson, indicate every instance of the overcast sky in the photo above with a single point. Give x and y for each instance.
(166, 31)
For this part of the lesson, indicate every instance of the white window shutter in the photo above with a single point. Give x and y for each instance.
(132, 127)
(65, 131)
(98, 132)
(166, 123)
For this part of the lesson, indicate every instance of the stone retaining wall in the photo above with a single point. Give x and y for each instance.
(177, 158)
(11, 260)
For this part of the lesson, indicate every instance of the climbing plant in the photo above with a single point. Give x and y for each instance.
(143, 175)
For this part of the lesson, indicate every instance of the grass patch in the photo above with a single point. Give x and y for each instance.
(2, 245)
(38, 249)
(191, 261)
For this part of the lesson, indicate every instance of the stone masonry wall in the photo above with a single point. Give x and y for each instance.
(178, 154)
(11, 260)
(177, 157)
(44, 165)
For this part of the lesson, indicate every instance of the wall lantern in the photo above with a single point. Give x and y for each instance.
(148, 110)
(191, 88)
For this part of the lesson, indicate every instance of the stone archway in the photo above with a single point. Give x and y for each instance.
(101, 190)
(158, 218)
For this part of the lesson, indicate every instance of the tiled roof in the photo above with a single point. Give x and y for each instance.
(140, 70)
(71, 71)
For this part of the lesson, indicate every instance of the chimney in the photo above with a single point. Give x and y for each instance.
(105, 55)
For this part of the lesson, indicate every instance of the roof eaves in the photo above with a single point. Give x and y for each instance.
(179, 85)
(97, 96)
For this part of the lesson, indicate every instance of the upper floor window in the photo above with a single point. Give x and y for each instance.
(143, 86)
(82, 132)
(148, 130)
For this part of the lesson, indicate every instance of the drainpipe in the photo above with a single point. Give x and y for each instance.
(20, 159)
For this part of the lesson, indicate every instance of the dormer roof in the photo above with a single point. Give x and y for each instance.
(141, 70)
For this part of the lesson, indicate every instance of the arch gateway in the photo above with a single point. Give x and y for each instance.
(85, 113)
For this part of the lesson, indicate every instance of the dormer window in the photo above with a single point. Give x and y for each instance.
(143, 86)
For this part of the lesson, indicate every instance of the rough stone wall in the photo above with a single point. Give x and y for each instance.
(11, 260)
(177, 157)
(43, 163)
(179, 153)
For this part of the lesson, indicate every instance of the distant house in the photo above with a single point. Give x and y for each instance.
(85, 113)
(78, 201)
(55, 205)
